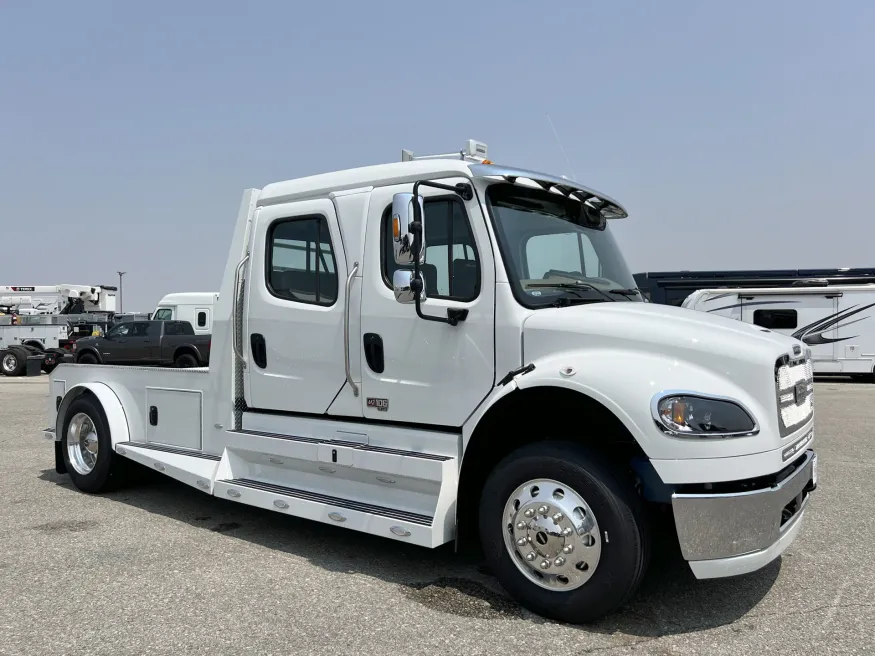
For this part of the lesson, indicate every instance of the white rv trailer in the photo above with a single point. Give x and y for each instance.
(194, 307)
(837, 322)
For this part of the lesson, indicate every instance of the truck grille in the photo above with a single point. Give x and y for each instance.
(794, 383)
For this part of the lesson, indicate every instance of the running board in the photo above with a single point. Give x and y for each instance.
(193, 468)
(367, 518)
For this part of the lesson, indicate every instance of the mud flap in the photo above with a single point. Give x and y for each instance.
(60, 467)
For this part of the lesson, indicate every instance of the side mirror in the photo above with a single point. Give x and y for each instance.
(402, 284)
(403, 235)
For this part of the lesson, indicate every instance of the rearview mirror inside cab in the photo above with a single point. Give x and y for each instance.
(404, 232)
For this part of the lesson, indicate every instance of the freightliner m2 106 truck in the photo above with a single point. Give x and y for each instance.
(444, 348)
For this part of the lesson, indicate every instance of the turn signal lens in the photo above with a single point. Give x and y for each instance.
(396, 228)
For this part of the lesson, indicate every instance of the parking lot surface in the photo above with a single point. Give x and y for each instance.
(159, 568)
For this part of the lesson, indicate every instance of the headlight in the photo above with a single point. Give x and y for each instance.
(697, 416)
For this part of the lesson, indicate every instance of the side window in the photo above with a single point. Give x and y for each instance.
(452, 267)
(300, 265)
(202, 319)
(777, 319)
(164, 314)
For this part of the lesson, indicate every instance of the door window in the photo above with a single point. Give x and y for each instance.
(452, 268)
(301, 264)
(164, 314)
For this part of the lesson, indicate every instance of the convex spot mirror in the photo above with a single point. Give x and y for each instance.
(402, 284)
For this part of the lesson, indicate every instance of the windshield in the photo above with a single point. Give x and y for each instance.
(552, 256)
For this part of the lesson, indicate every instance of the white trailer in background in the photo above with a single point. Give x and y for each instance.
(58, 299)
(194, 307)
(837, 322)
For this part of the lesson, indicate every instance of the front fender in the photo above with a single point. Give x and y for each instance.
(625, 382)
(112, 408)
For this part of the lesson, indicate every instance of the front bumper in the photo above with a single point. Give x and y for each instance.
(738, 532)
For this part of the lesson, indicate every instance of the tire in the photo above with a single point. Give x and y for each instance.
(35, 347)
(185, 361)
(105, 467)
(13, 361)
(86, 358)
(617, 541)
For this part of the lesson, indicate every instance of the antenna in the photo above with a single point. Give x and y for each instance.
(564, 154)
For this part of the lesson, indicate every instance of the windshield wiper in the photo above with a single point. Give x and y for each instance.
(626, 292)
(571, 285)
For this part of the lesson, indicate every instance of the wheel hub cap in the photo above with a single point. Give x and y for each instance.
(552, 534)
(9, 363)
(82, 443)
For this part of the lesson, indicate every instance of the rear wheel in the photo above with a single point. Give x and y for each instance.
(13, 361)
(87, 446)
(563, 531)
(185, 361)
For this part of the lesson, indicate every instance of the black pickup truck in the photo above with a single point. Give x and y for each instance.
(149, 343)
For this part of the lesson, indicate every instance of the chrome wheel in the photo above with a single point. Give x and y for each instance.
(82, 443)
(551, 534)
(9, 363)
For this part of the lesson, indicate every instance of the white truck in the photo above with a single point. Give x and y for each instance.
(837, 322)
(444, 348)
(194, 307)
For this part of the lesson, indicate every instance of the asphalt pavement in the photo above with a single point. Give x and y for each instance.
(160, 568)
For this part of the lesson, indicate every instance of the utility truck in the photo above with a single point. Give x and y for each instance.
(444, 348)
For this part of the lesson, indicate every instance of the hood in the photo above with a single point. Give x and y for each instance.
(664, 329)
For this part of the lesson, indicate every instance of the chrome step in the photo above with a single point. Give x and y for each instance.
(392, 513)
(165, 448)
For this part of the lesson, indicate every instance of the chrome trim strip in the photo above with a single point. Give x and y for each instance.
(168, 448)
(349, 279)
(659, 396)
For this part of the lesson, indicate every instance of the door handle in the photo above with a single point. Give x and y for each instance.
(349, 279)
(258, 348)
(373, 345)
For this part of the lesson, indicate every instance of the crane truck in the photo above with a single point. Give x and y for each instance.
(47, 320)
(443, 349)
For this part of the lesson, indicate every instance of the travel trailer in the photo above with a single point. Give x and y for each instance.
(194, 307)
(837, 322)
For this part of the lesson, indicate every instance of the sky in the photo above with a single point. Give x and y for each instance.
(738, 135)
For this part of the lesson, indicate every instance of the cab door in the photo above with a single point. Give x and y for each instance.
(421, 371)
(294, 317)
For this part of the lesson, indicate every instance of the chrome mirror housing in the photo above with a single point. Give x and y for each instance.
(403, 215)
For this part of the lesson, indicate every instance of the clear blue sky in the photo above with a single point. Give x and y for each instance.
(737, 134)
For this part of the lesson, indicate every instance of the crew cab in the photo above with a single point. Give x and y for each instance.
(153, 343)
(446, 349)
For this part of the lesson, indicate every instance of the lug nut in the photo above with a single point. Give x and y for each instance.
(544, 510)
(568, 531)
(568, 548)
(558, 517)
(529, 513)
(521, 542)
(545, 564)
(559, 562)
(530, 555)
(521, 525)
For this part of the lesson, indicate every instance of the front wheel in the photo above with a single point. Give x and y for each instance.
(563, 531)
(185, 361)
(86, 358)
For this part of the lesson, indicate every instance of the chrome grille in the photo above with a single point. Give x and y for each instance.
(794, 383)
